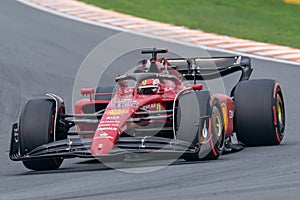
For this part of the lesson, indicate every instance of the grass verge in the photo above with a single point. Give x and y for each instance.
(271, 21)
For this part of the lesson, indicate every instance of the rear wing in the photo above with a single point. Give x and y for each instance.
(212, 68)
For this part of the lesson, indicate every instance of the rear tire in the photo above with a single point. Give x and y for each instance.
(259, 112)
(36, 128)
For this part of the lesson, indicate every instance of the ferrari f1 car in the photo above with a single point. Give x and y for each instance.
(158, 107)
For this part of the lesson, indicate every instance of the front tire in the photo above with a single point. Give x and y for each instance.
(200, 121)
(217, 132)
(36, 128)
(259, 112)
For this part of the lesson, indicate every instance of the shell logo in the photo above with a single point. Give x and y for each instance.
(225, 116)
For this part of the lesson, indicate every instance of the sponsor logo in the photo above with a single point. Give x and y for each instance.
(104, 123)
(100, 146)
(144, 82)
(116, 112)
(113, 117)
(152, 106)
(107, 128)
(225, 116)
(124, 104)
(104, 135)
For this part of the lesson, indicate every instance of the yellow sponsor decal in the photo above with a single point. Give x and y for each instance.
(225, 116)
(292, 1)
(144, 82)
(116, 112)
(158, 106)
(100, 146)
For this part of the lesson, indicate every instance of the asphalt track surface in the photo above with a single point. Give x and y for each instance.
(41, 53)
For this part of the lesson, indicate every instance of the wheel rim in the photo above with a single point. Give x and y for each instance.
(218, 127)
(280, 114)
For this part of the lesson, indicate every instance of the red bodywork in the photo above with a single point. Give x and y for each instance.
(126, 102)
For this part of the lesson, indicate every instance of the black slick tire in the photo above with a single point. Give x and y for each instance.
(198, 109)
(259, 112)
(36, 128)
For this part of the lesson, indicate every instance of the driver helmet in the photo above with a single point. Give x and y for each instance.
(149, 86)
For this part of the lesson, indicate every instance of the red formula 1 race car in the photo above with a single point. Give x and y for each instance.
(156, 108)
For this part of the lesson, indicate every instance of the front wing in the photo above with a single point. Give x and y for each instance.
(76, 147)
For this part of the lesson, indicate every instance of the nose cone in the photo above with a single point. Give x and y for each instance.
(108, 130)
(102, 146)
